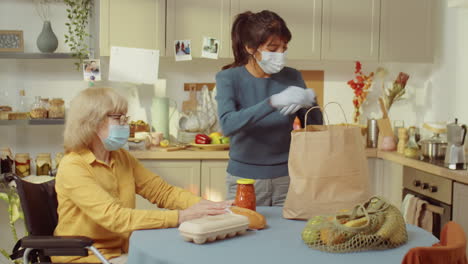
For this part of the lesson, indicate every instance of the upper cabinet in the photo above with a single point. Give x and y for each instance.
(350, 30)
(131, 23)
(194, 19)
(329, 30)
(303, 18)
(406, 31)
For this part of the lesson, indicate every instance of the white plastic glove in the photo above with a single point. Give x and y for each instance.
(291, 95)
(291, 109)
(310, 96)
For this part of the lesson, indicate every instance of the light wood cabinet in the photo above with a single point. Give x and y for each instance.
(181, 173)
(350, 30)
(303, 18)
(213, 179)
(387, 181)
(460, 199)
(194, 19)
(406, 31)
(131, 23)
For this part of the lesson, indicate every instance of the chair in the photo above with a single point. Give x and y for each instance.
(450, 250)
(39, 204)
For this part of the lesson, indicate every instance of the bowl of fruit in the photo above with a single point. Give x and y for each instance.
(213, 141)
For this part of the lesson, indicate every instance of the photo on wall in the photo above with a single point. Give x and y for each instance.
(92, 70)
(182, 50)
(210, 48)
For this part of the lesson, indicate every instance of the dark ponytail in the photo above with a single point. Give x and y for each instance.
(252, 30)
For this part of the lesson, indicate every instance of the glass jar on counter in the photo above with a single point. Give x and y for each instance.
(38, 109)
(45, 104)
(412, 147)
(22, 164)
(43, 164)
(245, 195)
(57, 108)
(6, 161)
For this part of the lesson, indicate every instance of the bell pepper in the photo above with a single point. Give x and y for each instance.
(202, 139)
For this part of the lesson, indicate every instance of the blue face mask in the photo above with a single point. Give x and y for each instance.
(118, 136)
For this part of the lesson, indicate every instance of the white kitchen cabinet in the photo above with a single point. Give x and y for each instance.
(406, 31)
(131, 23)
(303, 18)
(460, 200)
(388, 181)
(194, 19)
(350, 30)
(213, 179)
(181, 173)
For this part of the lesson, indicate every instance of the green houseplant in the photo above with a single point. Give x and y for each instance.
(10, 196)
(79, 13)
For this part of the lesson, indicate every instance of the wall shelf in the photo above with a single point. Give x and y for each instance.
(32, 122)
(22, 55)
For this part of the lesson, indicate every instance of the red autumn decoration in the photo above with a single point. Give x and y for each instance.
(360, 85)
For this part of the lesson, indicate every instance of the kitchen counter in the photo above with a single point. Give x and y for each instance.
(456, 175)
(186, 154)
(196, 154)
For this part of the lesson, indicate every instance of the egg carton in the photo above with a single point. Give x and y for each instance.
(211, 228)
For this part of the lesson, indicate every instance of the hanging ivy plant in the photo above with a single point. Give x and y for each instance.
(79, 12)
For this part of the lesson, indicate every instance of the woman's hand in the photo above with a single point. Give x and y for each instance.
(204, 208)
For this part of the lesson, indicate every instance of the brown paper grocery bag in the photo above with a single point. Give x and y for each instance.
(328, 170)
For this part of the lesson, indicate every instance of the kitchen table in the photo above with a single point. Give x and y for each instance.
(280, 243)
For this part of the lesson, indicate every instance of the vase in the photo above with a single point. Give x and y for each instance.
(47, 42)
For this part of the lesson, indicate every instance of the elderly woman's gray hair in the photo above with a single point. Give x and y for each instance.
(87, 110)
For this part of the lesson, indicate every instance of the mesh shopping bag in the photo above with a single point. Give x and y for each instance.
(375, 224)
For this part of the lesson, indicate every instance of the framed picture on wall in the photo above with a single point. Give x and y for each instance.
(11, 41)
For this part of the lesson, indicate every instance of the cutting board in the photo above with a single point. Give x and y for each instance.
(315, 80)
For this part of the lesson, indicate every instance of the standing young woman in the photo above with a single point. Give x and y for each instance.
(258, 100)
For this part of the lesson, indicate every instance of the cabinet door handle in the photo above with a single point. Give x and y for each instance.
(433, 189)
(416, 183)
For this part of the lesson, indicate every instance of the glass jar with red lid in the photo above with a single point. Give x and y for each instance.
(245, 195)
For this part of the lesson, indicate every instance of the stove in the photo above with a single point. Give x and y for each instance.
(438, 162)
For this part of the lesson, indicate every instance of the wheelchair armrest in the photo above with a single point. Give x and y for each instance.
(56, 242)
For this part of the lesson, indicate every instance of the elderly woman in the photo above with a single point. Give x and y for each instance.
(97, 181)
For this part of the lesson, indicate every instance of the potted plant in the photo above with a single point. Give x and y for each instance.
(77, 38)
(10, 196)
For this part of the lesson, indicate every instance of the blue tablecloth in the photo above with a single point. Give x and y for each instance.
(280, 243)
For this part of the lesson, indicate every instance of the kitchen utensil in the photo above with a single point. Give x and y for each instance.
(174, 147)
(192, 102)
(402, 140)
(385, 130)
(210, 146)
(433, 148)
(383, 108)
(156, 138)
(372, 133)
(412, 147)
(388, 144)
(455, 154)
(186, 137)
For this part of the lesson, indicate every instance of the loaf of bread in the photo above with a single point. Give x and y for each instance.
(256, 220)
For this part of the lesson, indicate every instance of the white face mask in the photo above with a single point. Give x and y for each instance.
(272, 62)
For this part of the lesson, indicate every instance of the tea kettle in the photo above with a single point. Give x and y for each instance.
(455, 153)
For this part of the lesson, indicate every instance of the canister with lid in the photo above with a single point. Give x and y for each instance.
(245, 195)
(43, 164)
(6, 160)
(22, 164)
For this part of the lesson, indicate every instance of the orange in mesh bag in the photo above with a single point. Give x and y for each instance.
(375, 224)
